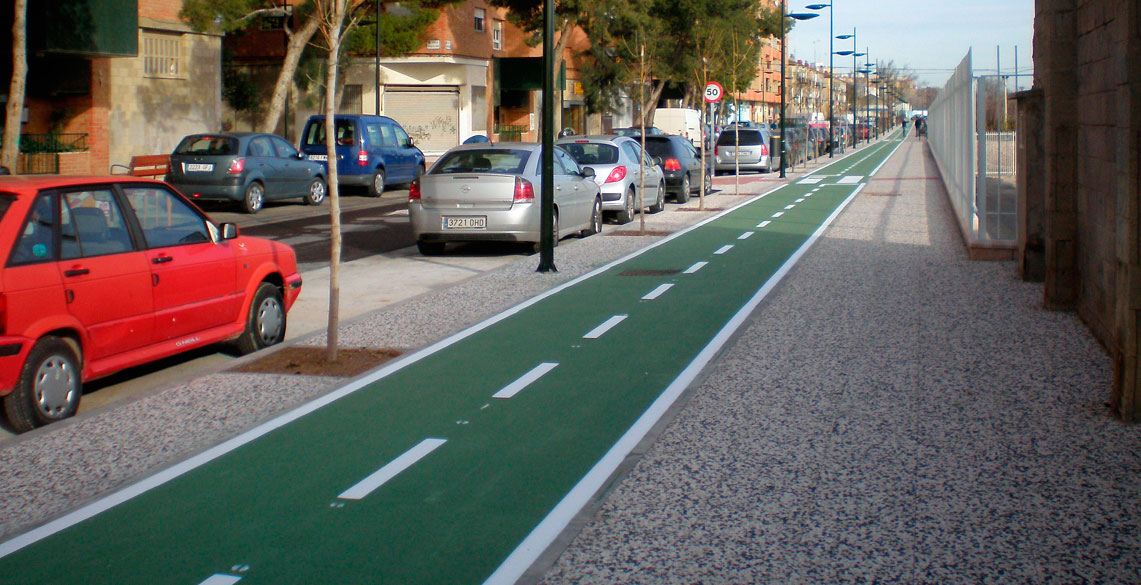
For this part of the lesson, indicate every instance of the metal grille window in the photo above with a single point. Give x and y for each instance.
(162, 55)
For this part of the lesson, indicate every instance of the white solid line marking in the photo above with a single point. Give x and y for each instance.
(763, 223)
(525, 554)
(790, 206)
(606, 326)
(392, 469)
(745, 236)
(657, 292)
(221, 580)
(723, 249)
(850, 180)
(695, 268)
(778, 214)
(517, 386)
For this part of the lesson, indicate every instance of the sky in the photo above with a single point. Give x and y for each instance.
(927, 37)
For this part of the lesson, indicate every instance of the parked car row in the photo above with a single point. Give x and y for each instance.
(487, 191)
(371, 152)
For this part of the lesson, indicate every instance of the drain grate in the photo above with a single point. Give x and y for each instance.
(651, 272)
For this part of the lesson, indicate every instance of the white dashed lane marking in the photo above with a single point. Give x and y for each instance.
(391, 470)
(763, 223)
(657, 292)
(606, 326)
(221, 580)
(723, 249)
(527, 379)
(778, 214)
(695, 267)
(745, 236)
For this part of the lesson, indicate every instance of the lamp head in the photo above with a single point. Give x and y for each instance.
(818, 6)
(844, 37)
(803, 15)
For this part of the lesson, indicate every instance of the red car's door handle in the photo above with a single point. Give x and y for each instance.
(161, 259)
(76, 272)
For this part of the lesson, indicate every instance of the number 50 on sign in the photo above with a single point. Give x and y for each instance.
(713, 92)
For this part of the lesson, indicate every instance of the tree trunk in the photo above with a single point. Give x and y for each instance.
(334, 38)
(560, 46)
(14, 115)
(297, 41)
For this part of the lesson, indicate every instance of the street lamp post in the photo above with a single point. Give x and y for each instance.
(831, 74)
(855, 76)
(783, 58)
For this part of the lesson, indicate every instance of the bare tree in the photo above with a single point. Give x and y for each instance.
(15, 110)
(332, 14)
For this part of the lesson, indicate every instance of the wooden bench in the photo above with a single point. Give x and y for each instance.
(147, 165)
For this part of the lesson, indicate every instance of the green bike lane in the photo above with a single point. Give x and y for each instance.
(461, 462)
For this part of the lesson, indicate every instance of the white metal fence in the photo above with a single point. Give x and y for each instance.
(978, 167)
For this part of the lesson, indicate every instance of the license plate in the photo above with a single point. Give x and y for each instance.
(199, 167)
(465, 223)
(320, 157)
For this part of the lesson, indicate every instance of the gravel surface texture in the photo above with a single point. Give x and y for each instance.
(892, 413)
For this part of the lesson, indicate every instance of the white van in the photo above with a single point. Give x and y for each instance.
(681, 121)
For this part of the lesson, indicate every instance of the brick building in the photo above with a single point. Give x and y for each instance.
(108, 79)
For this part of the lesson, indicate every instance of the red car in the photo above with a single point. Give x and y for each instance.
(104, 273)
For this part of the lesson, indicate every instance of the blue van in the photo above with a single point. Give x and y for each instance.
(372, 151)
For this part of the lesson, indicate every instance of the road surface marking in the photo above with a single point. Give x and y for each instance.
(606, 326)
(657, 292)
(778, 214)
(801, 200)
(723, 249)
(850, 180)
(763, 223)
(745, 236)
(391, 470)
(221, 580)
(787, 207)
(811, 180)
(695, 268)
(517, 386)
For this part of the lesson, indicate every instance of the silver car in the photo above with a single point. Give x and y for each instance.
(743, 148)
(619, 165)
(481, 192)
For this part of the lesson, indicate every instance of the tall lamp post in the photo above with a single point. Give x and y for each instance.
(783, 58)
(831, 74)
(855, 95)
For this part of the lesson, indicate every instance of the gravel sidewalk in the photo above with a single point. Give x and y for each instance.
(892, 413)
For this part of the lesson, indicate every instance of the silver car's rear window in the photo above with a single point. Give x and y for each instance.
(592, 153)
(207, 145)
(500, 160)
(744, 138)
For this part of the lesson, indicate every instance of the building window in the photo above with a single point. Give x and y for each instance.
(480, 15)
(162, 55)
(497, 36)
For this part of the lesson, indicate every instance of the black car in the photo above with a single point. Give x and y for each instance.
(681, 165)
(246, 167)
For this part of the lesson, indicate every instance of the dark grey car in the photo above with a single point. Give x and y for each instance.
(246, 167)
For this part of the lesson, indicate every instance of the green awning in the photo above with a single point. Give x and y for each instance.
(95, 28)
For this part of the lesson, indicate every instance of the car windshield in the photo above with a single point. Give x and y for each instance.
(592, 153)
(660, 148)
(500, 160)
(207, 145)
(744, 138)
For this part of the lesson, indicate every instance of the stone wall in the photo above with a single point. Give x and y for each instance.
(1088, 71)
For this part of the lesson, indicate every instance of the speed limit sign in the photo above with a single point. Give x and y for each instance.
(713, 92)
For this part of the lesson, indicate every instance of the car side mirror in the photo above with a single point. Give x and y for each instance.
(587, 172)
(408, 142)
(658, 161)
(229, 231)
(301, 156)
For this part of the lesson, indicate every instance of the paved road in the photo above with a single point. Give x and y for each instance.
(460, 462)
